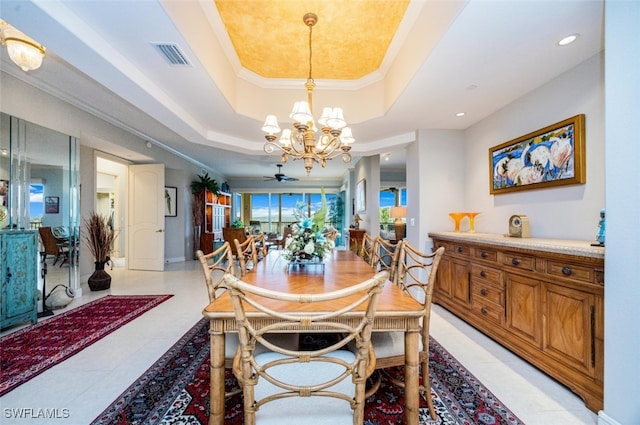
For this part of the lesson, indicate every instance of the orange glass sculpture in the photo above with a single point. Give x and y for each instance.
(457, 218)
(472, 221)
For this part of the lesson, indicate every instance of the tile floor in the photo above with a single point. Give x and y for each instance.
(88, 382)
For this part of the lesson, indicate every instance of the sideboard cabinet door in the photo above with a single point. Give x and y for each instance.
(18, 277)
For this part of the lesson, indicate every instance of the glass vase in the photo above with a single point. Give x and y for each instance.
(472, 221)
(457, 218)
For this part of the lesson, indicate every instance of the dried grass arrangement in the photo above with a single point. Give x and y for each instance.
(99, 236)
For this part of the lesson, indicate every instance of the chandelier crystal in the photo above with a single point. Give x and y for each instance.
(300, 141)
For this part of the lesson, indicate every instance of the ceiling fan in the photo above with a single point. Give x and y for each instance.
(279, 176)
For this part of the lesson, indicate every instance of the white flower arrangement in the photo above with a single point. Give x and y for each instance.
(307, 240)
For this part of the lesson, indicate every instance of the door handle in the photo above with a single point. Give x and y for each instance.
(159, 230)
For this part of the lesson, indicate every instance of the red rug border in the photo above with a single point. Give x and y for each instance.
(9, 385)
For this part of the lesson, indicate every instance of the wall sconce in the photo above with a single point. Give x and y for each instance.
(23, 51)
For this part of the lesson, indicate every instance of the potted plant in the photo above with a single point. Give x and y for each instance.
(205, 182)
(99, 239)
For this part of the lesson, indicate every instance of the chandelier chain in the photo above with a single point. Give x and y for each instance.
(310, 53)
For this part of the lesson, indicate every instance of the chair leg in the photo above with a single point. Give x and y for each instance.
(426, 386)
(373, 383)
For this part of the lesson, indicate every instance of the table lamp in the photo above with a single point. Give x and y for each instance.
(399, 213)
(357, 219)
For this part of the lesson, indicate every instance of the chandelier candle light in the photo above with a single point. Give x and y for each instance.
(300, 141)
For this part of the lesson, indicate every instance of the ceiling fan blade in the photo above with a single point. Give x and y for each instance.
(289, 179)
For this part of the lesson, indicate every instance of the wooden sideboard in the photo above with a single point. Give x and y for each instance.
(355, 239)
(541, 298)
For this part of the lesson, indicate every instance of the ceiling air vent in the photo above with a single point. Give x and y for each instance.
(172, 53)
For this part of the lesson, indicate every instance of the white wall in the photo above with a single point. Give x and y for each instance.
(622, 287)
(435, 183)
(565, 212)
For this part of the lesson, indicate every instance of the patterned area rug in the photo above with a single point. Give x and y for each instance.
(175, 390)
(32, 350)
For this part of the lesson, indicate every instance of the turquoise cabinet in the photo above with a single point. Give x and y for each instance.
(18, 277)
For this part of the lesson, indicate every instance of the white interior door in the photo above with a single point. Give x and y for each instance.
(146, 217)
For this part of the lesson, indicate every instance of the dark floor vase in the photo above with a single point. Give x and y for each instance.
(100, 279)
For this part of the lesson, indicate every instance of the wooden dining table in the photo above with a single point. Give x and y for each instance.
(396, 311)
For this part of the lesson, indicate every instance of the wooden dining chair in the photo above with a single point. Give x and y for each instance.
(51, 246)
(286, 232)
(330, 381)
(385, 256)
(366, 248)
(262, 246)
(246, 253)
(214, 266)
(230, 234)
(416, 274)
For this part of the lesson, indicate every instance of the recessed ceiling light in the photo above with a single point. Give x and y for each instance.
(568, 39)
(4, 152)
(386, 156)
(460, 114)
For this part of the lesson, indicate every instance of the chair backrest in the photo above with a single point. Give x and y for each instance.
(246, 253)
(256, 227)
(385, 256)
(366, 249)
(214, 266)
(287, 231)
(60, 232)
(416, 275)
(229, 234)
(49, 242)
(326, 366)
(261, 245)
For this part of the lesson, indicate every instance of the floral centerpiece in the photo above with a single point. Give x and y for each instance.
(307, 241)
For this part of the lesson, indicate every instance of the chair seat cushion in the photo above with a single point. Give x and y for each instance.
(232, 341)
(389, 344)
(305, 410)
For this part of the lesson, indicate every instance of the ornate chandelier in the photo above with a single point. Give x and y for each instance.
(300, 141)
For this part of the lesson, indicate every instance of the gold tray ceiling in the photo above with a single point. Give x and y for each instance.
(349, 41)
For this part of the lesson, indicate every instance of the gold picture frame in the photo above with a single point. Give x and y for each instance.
(549, 157)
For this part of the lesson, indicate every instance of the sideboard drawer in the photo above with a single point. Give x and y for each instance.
(486, 254)
(459, 250)
(487, 274)
(518, 260)
(487, 310)
(445, 245)
(483, 294)
(569, 270)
